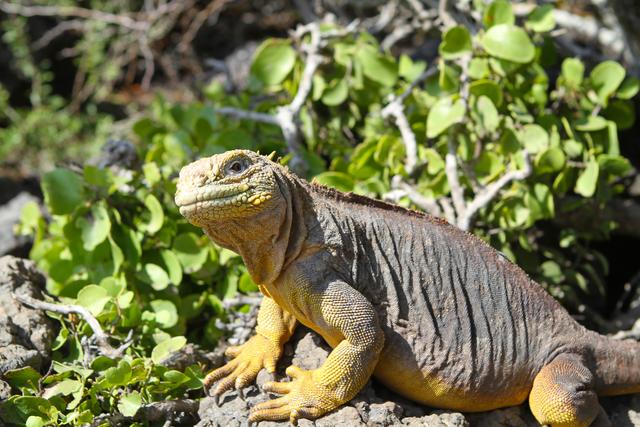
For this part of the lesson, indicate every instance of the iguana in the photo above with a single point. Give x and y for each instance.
(432, 312)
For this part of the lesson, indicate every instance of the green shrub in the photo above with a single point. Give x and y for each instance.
(116, 244)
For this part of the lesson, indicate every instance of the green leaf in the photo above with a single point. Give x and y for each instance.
(151, 173)
(572, 148)
(273, 61)
(21, 378)
(508, 42)
(487, 114)
(172, 263)
(591, 123)
(534, 138)
(157, 276)
(541, 20)
(621, 112)
(573, 72)
(63, 191)
(190, 253)
(629, 88)
(130, 403)
(588, 179)
(166, 347)
(34, 421)
(550, 160)
(157, 214)
(336, 93)
(435, 162)
(96, 229)
(119, 375)
(498, 12)
(614, 165)
(93, 298)
(166, 313)
(246, 283)
(376, 66)
(444, 114)
(338, 180)
(64, 387)
(410, 70)
(456, 42)
(605, 78)
(487, 88)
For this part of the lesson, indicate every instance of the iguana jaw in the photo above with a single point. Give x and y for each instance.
(209, 190)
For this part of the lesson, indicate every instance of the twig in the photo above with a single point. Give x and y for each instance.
(485, 197)
(78, 12)
(395, 109)
(405, 189)
(58, 30)
(197, 22)
(451, 170)
(445, 17)
(101, 338)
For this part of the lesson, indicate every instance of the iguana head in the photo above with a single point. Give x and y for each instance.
(232, 185)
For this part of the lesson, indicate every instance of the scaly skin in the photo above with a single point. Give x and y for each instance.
(431, 311)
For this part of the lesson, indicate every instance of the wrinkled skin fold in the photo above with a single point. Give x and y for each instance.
(433, 312)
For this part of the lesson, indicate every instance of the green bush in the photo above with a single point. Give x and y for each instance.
(115, 243)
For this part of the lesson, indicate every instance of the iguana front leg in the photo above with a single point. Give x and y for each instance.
(346, 318)
(274, 328)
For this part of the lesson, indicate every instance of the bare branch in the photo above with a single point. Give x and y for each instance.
(213, 7)
(247, 115)
(451, 170)
(72, 11)
(428, 205)
(395, 109)
(101, 338)
(485, 197)
(446, 19)
(58, 30)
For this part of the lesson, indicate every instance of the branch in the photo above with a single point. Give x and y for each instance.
(198, 21)
(238, 113)
(405, 189)
(445, 17)
(451, 170)
(485, 197)
(73, 11)
(101, 338)
(395, 109)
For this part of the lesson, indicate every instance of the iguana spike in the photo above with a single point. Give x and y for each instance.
(272, 155)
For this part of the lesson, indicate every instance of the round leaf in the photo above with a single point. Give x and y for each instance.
(166, 347)
(551, 160)
(588, 179)
(541, 19)
(157, 277)
(63, 191)
(534, 138)
(189, 251)
(166, 313)
(96, 228)
(130, 403)
(157, 214)
(508, 42)
(376, 66)
(606, 77)
(93, 298)
(119, 375)
(572, 72)
(455, 42)
(498, 12)
(591, 123)
(339, 180)
(273, 61)
(336, 93)
(488, 88)
(444, 114)
(629, 88)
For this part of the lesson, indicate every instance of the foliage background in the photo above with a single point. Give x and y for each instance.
(478, 112)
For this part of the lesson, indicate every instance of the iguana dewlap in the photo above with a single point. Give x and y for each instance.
(431, 311)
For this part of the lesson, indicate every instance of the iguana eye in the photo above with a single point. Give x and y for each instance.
(236, 167)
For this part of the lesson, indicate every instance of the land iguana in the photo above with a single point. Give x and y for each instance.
(432, 312)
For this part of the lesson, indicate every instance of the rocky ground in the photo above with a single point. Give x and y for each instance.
(377, 406)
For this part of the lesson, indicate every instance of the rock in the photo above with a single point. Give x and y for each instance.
(375, 405)
(26, 335)
(9, 216)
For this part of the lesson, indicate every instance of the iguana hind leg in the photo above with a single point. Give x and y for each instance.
(563, 396)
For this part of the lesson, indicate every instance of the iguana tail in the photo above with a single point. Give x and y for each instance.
(617, 365)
